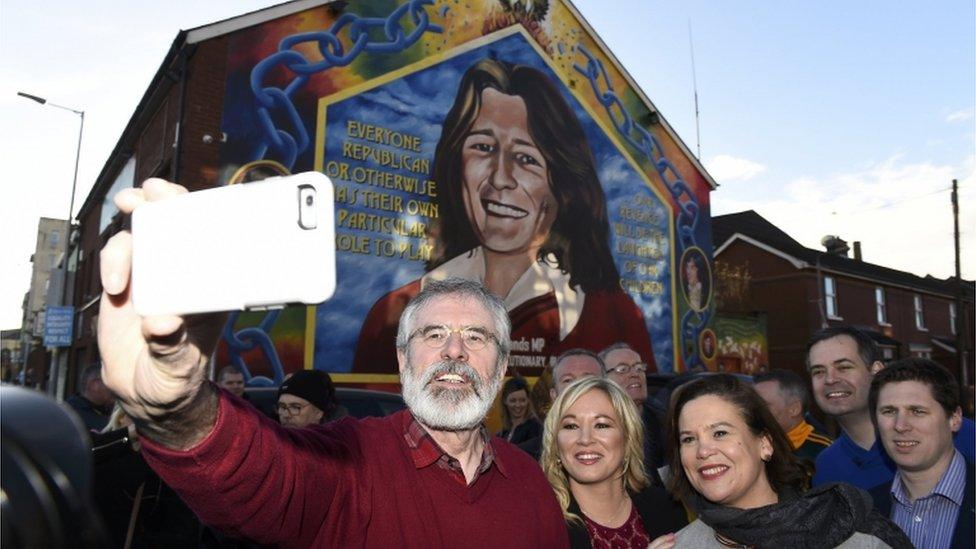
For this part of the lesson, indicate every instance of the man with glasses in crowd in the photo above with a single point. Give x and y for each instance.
(626, 368)
(428, 476)
(306, 398)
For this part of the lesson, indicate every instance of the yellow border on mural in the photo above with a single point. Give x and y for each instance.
(610, 133)
(309, 358)
(390, 378)
(364, 378)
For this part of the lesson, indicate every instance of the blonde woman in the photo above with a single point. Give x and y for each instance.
(592, 454)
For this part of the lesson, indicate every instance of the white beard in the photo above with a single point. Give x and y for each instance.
(444, 409)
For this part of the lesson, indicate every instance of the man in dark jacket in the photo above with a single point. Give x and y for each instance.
(94, 401)
(915, 408)
(629, 370)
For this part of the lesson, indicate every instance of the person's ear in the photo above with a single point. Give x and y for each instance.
(765, 448)
(796, 408)
(401, 359)
(318, 415)
(955, 420)
(876, 367)
(552, 393)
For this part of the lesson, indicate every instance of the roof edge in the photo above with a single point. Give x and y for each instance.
(798, 263)
(643, 96)
(238, 22)
(158, 87)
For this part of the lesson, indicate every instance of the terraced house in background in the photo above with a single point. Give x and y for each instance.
(771, 282)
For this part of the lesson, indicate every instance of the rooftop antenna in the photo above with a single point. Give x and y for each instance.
(694, 83)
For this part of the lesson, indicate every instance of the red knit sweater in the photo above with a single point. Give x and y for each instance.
(353, 483)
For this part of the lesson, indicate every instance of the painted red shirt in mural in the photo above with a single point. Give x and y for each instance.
(543, 325)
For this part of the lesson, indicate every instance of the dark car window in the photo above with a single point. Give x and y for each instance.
(362, 403)
(357, 402)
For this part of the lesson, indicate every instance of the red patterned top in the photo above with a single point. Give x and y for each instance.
(630, 534)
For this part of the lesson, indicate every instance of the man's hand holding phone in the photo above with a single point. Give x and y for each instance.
(156, 365)
(191, 256)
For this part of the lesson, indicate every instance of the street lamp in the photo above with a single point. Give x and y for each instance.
(81, 129)
(57, 378)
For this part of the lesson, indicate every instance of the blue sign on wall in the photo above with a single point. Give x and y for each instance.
(58, 324)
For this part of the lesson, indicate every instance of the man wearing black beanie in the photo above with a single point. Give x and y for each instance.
(306, 398)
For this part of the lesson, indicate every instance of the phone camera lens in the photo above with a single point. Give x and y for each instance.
(309, 200)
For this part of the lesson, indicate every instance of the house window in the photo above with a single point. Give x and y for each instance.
(879, 303)
(920, 351)
(830, 296)
(54, 239)
(919, 313)
(887, 353)
(952, 318)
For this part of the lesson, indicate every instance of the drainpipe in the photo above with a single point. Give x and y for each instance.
(178, 134)
(820, 297)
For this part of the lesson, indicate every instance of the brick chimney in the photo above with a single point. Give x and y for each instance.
(857, 250)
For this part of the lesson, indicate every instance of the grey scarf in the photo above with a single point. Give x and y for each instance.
(823, 517)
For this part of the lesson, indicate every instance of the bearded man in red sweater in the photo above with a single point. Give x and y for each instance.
(429, 476)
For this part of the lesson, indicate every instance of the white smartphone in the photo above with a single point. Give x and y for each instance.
(255, 245)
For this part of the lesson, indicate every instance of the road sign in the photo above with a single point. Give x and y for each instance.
(58, 326)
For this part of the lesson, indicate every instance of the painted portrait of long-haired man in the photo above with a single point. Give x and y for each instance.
(522, 211)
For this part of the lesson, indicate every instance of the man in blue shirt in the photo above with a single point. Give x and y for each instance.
(915, 405)
(842, 361)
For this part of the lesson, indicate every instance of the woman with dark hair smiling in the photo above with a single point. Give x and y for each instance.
(733, 465)
(522, 211)
(519, 420)
(592, 454)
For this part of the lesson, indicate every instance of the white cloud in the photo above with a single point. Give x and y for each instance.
(725, 167)
(899, 211)
(960, 115)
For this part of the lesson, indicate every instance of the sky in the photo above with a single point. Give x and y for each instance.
(832, 117)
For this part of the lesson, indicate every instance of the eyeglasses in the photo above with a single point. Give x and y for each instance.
(293, 408)
(624, 369)
(435, 337)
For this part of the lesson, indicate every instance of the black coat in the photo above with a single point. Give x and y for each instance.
(527, 430)
(95, 418)
(965, 532)
(163, 519)
(658, 511)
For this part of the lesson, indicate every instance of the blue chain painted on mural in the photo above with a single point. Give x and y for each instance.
(692, 322)
(270, 100)
(249, 338)
(289, 142)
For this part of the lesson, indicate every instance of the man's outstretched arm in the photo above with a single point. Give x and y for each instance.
(156, 366)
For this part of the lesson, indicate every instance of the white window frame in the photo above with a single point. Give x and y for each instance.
(887, 352)
(919, 313)
(920, 351)
(881, 306)
(952, 318)
(830, 297)
(124, 180)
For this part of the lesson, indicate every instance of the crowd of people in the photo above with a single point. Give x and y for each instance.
(729, 465)
(183, 459)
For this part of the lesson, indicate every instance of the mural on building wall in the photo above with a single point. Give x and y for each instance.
(742, 344)
(480, 139)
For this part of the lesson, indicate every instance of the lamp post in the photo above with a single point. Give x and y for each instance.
(57, 374)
